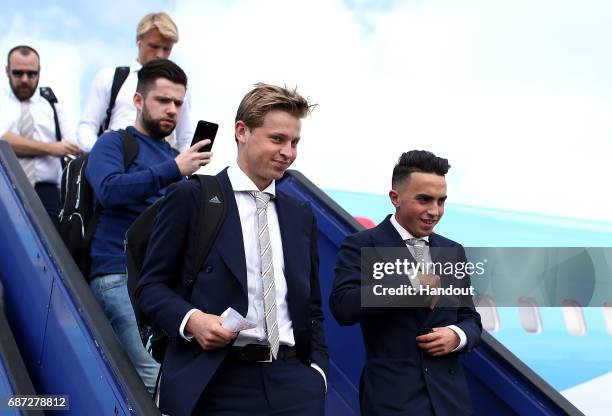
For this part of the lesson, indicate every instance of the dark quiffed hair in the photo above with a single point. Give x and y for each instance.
(159, 68)
(24, 50)
(418, 161)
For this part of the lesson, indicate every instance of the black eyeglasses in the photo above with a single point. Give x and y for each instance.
(18, 73)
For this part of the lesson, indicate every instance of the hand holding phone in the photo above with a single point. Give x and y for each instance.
(205, 130)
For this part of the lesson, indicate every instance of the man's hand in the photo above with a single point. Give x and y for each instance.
(433, 282)
(208, 330)
(61, 149)
(33, 148)
(439, 342)
(191, 159)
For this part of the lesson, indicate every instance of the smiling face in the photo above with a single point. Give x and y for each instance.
(419, 202)
(159, 108)
(267, 151)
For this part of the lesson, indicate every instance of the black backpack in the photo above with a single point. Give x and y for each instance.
(78, 217)
(210, 218)
(121, 74)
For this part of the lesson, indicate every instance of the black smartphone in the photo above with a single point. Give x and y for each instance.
(205, 130)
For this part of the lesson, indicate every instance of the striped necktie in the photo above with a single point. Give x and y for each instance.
(418, 247)
(26, 130)
(267, 270)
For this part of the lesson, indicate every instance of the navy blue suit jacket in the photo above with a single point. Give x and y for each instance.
(222, 283)
(398, 378)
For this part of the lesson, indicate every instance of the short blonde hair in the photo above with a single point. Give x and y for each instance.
(265, 98)
(160, 21)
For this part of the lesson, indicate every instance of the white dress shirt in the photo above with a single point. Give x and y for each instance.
(241, 184)
(47, 168)
(124, 111)
(405, 235)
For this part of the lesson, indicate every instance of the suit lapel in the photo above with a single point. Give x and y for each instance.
(386, 236)
(230, 244)
(434, 250)
(286, 221)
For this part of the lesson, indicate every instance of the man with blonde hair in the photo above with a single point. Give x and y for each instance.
(263, 264)
(110, 105)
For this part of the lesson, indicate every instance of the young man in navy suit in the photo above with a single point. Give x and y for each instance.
(412, 365)
(263, 264)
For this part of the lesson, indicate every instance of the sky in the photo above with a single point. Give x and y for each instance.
(516, 94)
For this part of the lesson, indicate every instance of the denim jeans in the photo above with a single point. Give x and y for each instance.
(111, 292)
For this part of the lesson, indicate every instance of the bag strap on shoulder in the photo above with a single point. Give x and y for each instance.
(130, 148)
(47, 94)
(210, 218)
(130, 151)
(121, 74)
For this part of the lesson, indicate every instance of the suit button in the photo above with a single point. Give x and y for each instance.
(451, 371)
(208, 269)
(189, 283)
(425, 369)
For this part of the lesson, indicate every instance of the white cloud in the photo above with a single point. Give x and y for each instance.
(517, 95)
(417, 76)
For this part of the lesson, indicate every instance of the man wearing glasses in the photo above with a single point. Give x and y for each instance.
(28, 123)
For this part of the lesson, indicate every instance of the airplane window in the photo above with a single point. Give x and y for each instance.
(574, 317)
(485, 305)
(529, 315)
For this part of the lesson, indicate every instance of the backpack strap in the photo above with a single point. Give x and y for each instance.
(130, 151)
(130, 148)
(210, 218)
(47, 94)
(121, 74)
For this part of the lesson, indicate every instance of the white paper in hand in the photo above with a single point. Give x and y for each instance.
(234, 322)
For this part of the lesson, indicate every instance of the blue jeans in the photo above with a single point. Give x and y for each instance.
(111, 292)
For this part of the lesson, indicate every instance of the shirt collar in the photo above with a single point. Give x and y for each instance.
(242, 183)
(404, 234)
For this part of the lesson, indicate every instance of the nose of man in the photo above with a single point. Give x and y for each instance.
(433, 211)
(287, 150)
(171, 109)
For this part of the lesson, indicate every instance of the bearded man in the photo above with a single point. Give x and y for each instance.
(124, 193)
(39, 134)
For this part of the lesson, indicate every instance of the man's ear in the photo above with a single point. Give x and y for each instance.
(138, 101)
(394, 197)
(241, 131)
